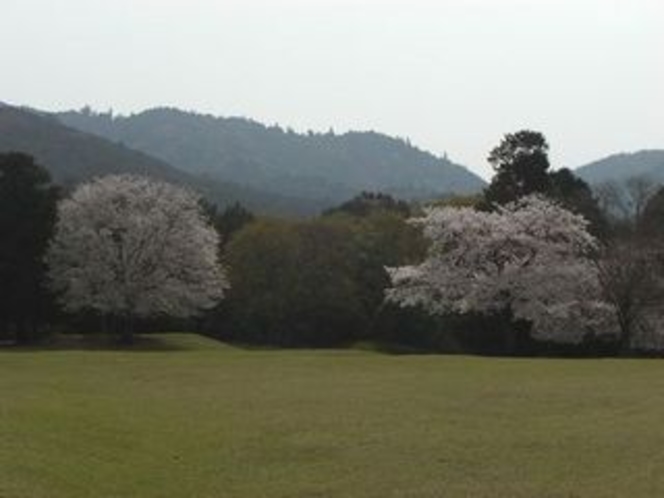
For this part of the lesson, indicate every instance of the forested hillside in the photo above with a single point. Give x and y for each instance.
(620, 167)
(325, 167)
(73, 156)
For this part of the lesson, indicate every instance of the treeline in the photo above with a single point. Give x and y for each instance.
(293, 283)
(318, 282)
(321, 282)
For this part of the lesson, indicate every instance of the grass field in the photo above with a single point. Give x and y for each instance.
(194, 418)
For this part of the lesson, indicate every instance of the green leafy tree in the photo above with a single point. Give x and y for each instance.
(313, 283)
(383, 239)
(293, 284)
(27, 217)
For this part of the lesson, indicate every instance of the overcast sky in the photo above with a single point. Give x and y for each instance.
(451, 75)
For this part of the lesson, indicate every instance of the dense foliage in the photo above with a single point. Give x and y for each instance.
(521, 164)
(535, 265)
(313, 283)
(522, 168)
(27, 216)
(531, 259)
(128, 246)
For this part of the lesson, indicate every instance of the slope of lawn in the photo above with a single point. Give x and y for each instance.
(190, 417)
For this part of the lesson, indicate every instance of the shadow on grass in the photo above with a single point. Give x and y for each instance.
(101, 342)
(189, 341)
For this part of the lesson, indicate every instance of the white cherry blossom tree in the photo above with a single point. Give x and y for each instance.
(128, 246)
(531, 257)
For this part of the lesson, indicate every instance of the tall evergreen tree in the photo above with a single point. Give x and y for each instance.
(27, 217)
(229, 221)
(521, 163)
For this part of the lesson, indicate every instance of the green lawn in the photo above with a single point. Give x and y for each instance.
(194, 418)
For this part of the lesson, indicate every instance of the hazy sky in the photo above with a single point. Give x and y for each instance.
(451, 75)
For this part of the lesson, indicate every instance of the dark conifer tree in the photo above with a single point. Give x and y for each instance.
(521, 163)
(27, 217)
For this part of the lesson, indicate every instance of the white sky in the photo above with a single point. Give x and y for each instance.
(451, 75)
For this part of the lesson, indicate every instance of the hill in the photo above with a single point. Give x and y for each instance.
(620, 167)
(73, 156)
(324, 167)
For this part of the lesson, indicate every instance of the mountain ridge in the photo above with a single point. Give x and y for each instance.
(621, 166)
(325, 166)
(73, 156)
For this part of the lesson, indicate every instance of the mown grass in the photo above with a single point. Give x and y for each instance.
(194, 418)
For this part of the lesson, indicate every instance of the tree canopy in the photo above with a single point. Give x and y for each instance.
(521, 163)
(531, 258)
(522, 168)
(133, 247)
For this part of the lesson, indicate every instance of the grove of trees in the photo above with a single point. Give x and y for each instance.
(538, 264)
(314, 283)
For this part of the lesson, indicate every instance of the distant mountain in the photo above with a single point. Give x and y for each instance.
(73, 156)
(322, 167)
(620, 167)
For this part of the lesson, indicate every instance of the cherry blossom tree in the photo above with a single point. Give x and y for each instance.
(531, 257)
(128, 246)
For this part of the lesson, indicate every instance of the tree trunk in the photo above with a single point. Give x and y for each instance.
(510, 344)
(510, 338)
(126, 330)
(626, 325)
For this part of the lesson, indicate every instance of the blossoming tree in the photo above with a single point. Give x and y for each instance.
(531, 257)
(128, 246)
